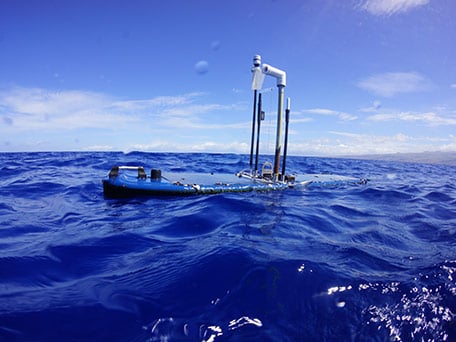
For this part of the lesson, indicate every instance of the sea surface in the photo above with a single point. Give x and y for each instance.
(367, 262)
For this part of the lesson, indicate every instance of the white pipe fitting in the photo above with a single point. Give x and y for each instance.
(280, 75)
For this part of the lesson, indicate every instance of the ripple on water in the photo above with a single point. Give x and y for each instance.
(356, 262)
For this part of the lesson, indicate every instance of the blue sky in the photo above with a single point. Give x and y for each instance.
(364, 76)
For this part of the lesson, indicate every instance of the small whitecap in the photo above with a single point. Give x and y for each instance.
(391, 176)
(332, 290)
(340, 304)
(202, 67)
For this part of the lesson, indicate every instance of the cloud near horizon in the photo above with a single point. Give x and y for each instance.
(386, 144)
(392, 83)
(428, 118)
(34, 119)
(34, 109)
(324, 111)
(40, 119)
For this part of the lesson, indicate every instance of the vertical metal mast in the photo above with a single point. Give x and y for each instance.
(260, 117)
(285, 144)
(279, 132)
(253, 127)
(281, 83)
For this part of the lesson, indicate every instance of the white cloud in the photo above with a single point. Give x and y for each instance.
(36, 101)
(367, 144)
(373, 138)
(157, 102)
(428, 118)
(355, 143)
(26, 109)
(39, 109)
(95, 148)
(334, 143)
(37, 119)
(393, 83)
(302, 120)
(340, 146)
(450, 145)
(323, 111)
(390, 7)
(207, 146)
(191, 110)
(453, 86)
(320, 111)
(346, 117)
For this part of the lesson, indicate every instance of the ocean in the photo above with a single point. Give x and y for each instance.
(366, 262)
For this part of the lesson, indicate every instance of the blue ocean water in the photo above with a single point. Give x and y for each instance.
(373, 262)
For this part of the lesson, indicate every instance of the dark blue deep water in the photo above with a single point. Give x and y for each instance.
(374, 262)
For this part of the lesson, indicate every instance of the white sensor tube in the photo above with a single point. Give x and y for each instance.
(280, 75)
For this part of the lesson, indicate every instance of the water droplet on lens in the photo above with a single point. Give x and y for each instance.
(202, 67)
(215, 45)
(7, 121)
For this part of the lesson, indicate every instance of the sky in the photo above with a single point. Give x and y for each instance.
(364, 76)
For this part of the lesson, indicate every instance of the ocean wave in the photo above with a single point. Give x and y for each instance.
(347, 262)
